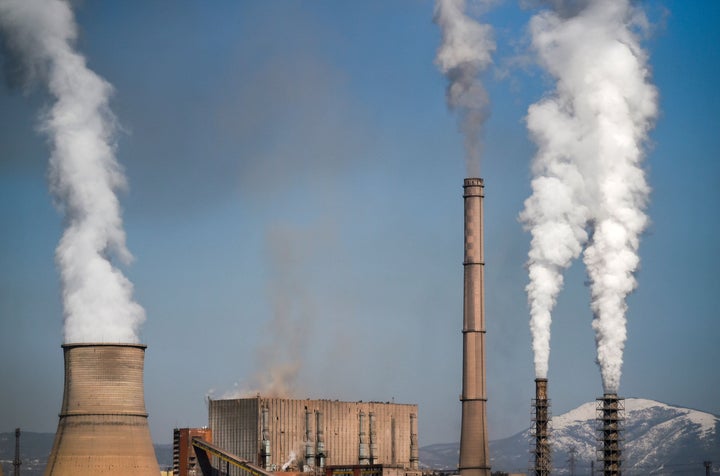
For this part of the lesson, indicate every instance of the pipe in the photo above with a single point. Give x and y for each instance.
(413, 442)
(373, 440)
(363, 447)
(320, 433)
(309, 440)
(393, 435)
(265, 450)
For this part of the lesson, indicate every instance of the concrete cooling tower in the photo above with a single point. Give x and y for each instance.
(103, 427)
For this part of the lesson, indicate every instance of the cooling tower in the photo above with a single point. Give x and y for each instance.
(103, 426)
(474, 459)
(541, 416)
(610, 415)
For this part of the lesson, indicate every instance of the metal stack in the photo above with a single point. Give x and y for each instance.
(103, 426)
(610, 416)
(541, 451)
(474, 458)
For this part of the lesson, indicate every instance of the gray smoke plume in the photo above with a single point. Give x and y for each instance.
(84, 173)
(282, 352)
(465, 51)
(590, 134)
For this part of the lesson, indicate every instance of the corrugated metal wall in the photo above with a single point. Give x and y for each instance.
(236, 426)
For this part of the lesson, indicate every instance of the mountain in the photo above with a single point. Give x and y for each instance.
(659, 439)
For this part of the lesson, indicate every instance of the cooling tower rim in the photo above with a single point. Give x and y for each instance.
(72, 345)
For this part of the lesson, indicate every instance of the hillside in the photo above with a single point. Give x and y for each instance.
(659, 439)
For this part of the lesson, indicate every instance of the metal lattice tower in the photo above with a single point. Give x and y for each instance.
(610, 417)
(540, 430)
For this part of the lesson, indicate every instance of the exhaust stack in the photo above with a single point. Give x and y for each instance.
(541, 418)
(610, 416)
(103, 426)
(474, 459)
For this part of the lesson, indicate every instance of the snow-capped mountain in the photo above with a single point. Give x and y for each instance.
(658, 439)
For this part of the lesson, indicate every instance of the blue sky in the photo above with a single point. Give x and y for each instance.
(300, 154)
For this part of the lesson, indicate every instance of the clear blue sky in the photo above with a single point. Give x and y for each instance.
(301, 154)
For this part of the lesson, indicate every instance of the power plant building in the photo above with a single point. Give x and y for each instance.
(280, 434)
(185, 461)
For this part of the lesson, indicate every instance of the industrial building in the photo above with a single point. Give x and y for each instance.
(185, 461)
(280, 434)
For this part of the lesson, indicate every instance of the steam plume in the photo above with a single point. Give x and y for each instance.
(465, 51)
(590, 134)
(84, 174)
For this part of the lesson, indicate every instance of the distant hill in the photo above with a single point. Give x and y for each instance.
(35, 448)
(659, 439)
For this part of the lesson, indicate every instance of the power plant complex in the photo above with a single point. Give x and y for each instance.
(103, 426)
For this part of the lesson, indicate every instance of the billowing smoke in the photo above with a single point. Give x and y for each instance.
(465, 52)
(590, 134)
(84, 173)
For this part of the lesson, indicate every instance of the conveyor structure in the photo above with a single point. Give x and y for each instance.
(204, 449)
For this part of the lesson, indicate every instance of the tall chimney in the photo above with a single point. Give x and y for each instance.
(103, 426)
(474, 459)
(541, 415)
(610, 416)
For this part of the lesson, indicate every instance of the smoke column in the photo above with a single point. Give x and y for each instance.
(465, 51)
(590, 135)
(84, 174)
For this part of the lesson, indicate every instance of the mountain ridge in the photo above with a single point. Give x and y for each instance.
(659, 439)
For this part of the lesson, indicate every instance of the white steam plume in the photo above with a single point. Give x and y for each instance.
(591, 134)
(84, 174)
(466, 50)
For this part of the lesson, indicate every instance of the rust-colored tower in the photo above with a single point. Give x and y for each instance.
(103, 426)
(474, 459)
(541, 416)
(610, 416)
